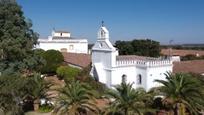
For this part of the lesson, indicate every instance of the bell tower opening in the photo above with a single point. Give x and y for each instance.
(103, 32)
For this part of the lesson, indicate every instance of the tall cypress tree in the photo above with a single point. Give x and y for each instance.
(17, 39)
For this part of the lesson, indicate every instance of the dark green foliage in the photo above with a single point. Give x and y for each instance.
(36, 87)
(67, 73)
(76, 98)
(40, 61)
(146, 47)
(10, 94)
(125, 47)
(14, 90)
(141, 47)
(53, 60)
(84, 76)
(34, 62)
(98, 87)
(128, 101)
(183, 91)
(185, 46)
(39, 52)
(17, 39)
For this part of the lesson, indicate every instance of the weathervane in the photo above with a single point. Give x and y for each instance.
(102, 23)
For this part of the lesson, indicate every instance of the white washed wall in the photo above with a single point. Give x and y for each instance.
(157, 72)
(77, 47)
(131, 72)
(110, 70)
(58, 34)
(149, 75)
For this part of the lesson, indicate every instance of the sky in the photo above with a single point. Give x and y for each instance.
(162, 20)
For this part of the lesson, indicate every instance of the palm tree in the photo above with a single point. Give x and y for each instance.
(36, 89)
(126, 100)
(183, 91)
(75, 99)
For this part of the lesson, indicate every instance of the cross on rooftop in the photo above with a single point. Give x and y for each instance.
(102, 23)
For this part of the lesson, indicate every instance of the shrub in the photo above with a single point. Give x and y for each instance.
(67, 73)
(191, 57)
(85, 77)
(38, 54)
(45, 108)
(53, 60)
(100, 88)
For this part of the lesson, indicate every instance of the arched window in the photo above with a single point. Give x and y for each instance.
(100, 45)
(71, 47)
(139, 79)
(124, 78)
(102, 34)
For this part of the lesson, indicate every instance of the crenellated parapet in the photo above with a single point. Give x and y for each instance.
(144, 63)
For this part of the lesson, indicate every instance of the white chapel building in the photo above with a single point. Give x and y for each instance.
(111, 69)
(62, 41)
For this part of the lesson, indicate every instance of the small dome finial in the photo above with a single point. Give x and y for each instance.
(102, 23)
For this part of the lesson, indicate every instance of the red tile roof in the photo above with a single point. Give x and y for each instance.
(176, 52)
(193, 66)
(81, 60)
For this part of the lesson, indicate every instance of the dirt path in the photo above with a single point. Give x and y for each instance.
(37, 113)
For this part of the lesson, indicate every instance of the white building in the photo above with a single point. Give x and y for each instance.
(111, 69)
(62, 41)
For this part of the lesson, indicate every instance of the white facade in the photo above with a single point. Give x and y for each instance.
(111, 69)
(63, 42)
(175, 58)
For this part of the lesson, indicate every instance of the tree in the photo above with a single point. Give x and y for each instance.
(75, 99)
(17, 39)
(16, 90)
(183, 91)
(141, 47)
(146, 47)
(53, 60)
(36, 89)
(125, 47)
(126, 100)
(11, 95)
(39, 61)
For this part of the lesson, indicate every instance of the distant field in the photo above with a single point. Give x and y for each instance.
(185, 46)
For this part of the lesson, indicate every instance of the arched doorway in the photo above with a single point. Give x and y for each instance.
(139, 79)
(124, 78)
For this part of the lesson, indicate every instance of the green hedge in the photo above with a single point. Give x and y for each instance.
(45, 108)
(67, 73)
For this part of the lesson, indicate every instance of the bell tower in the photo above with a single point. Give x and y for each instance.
(103, 51)
(103, 32)
(103, 57)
